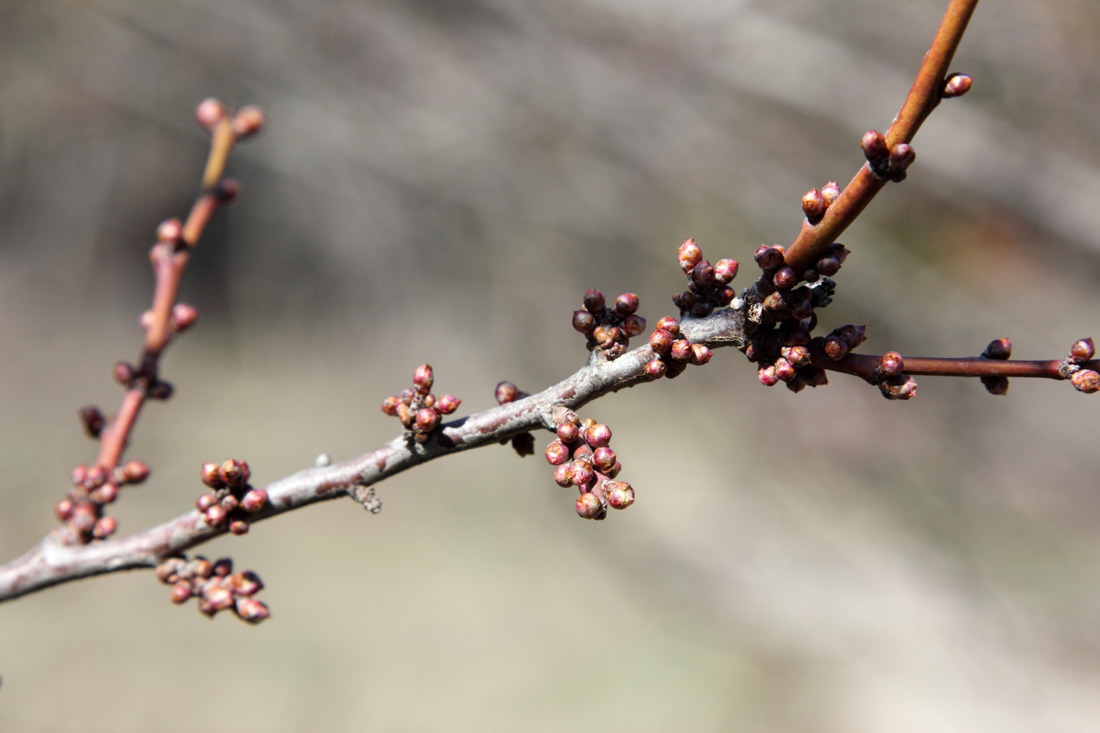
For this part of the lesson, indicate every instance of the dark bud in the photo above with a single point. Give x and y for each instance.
(634, 325)
(124, 374)
(901, 387)
(226, 190)
(784, 278)
(626, 304)
(593, 300)
(770, 258)
(93, 421)
(853, 335)
(996, 385)
(902, 156)
(506, 392)
(159, 391)
(813, 376)
(998, 349)
(584, 322)
(703, 275)
(828, 266)
(836, 348)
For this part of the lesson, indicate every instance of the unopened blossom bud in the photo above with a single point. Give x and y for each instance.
(105, 494)
(598, 435)
(248, 121)
(725, 271)
(447, 404)
(830, 192)
(234, 473)
(97, 476)
(254, 500)
(104, 527)
(828, 266)
(813, 205)
(238, 527)
(901, 387)
(79, 475)
(957, 85)
(584, 322)
(389, 405)
(891, 364)
(700, 354)
(169, 230)
(427, 419)
(251, 610)
(996, 385)
(211, 476)
(770, 258)
(245, 583)
(589, 506)
(661, 342)
(798, 356)
(626, 304)
(835, 348)
(681, 350)
(1086, 380)
(689, 255)
(210, 112)
(183, 316)
(874, 147)
(620, 494)
(703, 275)
(593, 300)
(670, 325)
(556, 453)
(216, 516)
(563, 475)
(853, 335)
(181, 591)
(506, 392)
(93, 421)
(133, 472)
(568, 431)
(124, 373)
(784, 371)
(63, 509)
(655, 369)
(604, 459)
(998, 349)
(767, 375)
(634, 325)
(1082, 351)
(423, 378)
(784, 278)
(902, 156)
(205, 501)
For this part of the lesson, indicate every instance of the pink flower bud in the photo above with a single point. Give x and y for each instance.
(423, 378)
(604, 459)
(183, 316)
(427, 419)
(254, 500)
(669, 325)
(211, 476)
(589, 507)
(563, 475)
(620, 494)
(689, 255)
(813, 205)
(447, 404)
(957, 85)
(506, 392)
(248, 121)
(556, 453)
(598, 435)
(209, 113)
(655, 369)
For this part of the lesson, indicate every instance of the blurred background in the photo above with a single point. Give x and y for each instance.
(441, 181)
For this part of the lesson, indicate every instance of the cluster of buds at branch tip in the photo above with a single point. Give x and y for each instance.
(582, 457)
(524, 443)
(673, 352)
(417, 408)
(609, 328)
(777, 280)
(887, 163)
(816, 201)
(215, 585)
(708, 285)
(233, 500)
(1083, 379)
(82, 509)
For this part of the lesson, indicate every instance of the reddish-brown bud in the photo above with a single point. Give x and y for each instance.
(93, 421)
(211, 475)
(226, 190)
(222, 567)
(169, 230)
(427, 419)
(593, 300)
(506, 392)
(104, 527)
(853, 335)
(248, 121)
(700, 354)
(124, 374)
(234, 473)
(620, 494)
(563, 475)
(725, 271)
(661, 342)
(655, 369)
(1082, 351)
(957, 85)
(901, 387)
(813, 205)
(689, 255)
(97, 476)
(604, 459)
(996, 385)
(447, 404)
(389, 405)
(251, 610)
(681, 350)
(670, 325)
(590, 507)
(584, 322)
(634, 325)
(238, 527)
(830, 192)
(626, 304)
(902, 156)
(556, 453)
(874, 146)
(828, 266)
(836, 348)
(423, 379)
(205, 501)
(133, 472)
(892, 364)
(181, 591)
(770, 258)
(245, 583)
(105, 494)
(784, 278)
(798, 356)
(1086, 380)
(598, 435)
(210, 112)
(568, 431)
(83, 518)
(254, 500)
(79, 475)
(230, 503)
(998, 349)
(216, 516)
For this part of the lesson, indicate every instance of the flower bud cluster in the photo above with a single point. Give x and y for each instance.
(816, 201)
(609, 328)
(215, 585)
(524, 443)
(1000, 349)
(130, 378)
(892, 381)
(1083, 379)
(886, 162)
(93, 488)
(673, 352)
(233, 501)
(784, 355)
(776, 286)
(417, 408)
(582, 457)
(708, 285)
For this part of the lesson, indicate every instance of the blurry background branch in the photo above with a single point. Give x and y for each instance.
(443, 158)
